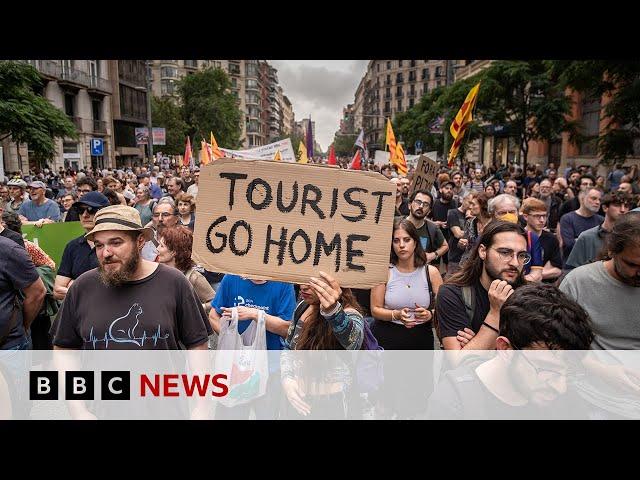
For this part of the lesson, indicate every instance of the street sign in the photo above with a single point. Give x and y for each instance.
(418, 144)
(97, 147)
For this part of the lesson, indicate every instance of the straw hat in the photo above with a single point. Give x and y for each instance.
(119, 217)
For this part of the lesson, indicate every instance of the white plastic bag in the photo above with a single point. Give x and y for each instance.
(243, 358)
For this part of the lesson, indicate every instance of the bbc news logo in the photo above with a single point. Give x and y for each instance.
(116, 385)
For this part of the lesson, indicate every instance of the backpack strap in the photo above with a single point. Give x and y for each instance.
(468, 295)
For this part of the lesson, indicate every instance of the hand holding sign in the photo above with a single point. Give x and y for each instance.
(328, 291)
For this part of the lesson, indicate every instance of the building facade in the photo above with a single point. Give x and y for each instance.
(393, 86)
(129, 109)
(83, 90)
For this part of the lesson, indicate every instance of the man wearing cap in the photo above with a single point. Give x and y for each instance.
(16, 195)
(117, 306)
(79, 255)
(440, 211)
(39, 210)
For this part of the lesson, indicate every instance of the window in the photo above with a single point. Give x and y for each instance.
(411, 103)
(438, 72)
(251, 70)
(167, 87)
(399, 91)
(96, 109)
(169, 72)
(387, 92)
(413, 63)
(590, 124)
(191, 63)
(399, 105)
(412, 76)
(399, 63)
(387, 107)
(377, 67)
(399, 78)
(425, 74)
(388, 65)
(388, 82)
(69, 147)
(251, 83)
(69, 101)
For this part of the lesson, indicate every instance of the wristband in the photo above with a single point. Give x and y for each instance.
(335, 310)
(492, 328)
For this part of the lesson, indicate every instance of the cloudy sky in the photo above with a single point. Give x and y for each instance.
(320, 88)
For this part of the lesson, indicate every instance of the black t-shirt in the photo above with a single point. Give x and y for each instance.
(159, 312)
(78, 257)
(550, 249)
(451, 312)
(11, 235)
(440, 212)
(455, 218)
(364, 300)
(568, 206)
(72, 216)
(17, 272)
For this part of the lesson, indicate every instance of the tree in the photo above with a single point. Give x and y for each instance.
(528, 97)
(343, 144)
(27, 117)
(165, 113)
(619, 80)
(208, 105)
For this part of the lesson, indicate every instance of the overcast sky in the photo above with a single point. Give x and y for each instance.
(320, 88)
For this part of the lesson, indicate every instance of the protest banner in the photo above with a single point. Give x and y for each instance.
(265, 152)
(53, 237)
(281, 221)
(424, 175)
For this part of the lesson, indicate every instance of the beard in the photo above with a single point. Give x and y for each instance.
(446, 196)
(419, 213)
(631, 281)
(495, 274)
(123, 274)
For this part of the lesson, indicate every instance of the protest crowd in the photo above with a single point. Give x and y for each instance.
(485, 259)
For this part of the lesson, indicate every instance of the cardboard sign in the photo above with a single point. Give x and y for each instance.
(282, 221)
(424, 175)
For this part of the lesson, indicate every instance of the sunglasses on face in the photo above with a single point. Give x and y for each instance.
(82, 209)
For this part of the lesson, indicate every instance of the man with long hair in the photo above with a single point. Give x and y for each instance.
(468, 304)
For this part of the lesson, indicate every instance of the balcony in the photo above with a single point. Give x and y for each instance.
(191, 64)
(399, 80)
(99, 126)
(48, 68)
(411, 95)
(387, 96)
(77, 121)
(99, 85)
(387, 83)
(387, 112)
(73, 77)
(412, 78)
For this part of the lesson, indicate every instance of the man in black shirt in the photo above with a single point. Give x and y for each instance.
(79, 256)
(471, 299)
(440, 211)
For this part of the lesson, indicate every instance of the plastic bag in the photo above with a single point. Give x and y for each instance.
(243, 358)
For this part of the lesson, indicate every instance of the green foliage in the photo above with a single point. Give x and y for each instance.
(26, 116)
(620, 82)
(165, 113)
(208, 105)
(344, 145)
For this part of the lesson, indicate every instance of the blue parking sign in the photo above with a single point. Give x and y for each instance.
(97, 147)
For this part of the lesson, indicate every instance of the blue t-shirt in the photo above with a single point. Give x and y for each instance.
(275, 298)
(49, 209)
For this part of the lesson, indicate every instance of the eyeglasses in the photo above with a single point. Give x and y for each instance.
(540, 216)
(507, 254)
(82, 209)
(545, 374)
(420, 203)
(163, 215)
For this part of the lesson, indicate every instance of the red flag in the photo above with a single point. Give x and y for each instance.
(355, 163)
(187, 153)
(332, 156)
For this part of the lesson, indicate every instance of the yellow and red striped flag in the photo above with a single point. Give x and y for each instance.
(391, 140)
(460, 124)
(400, 160)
